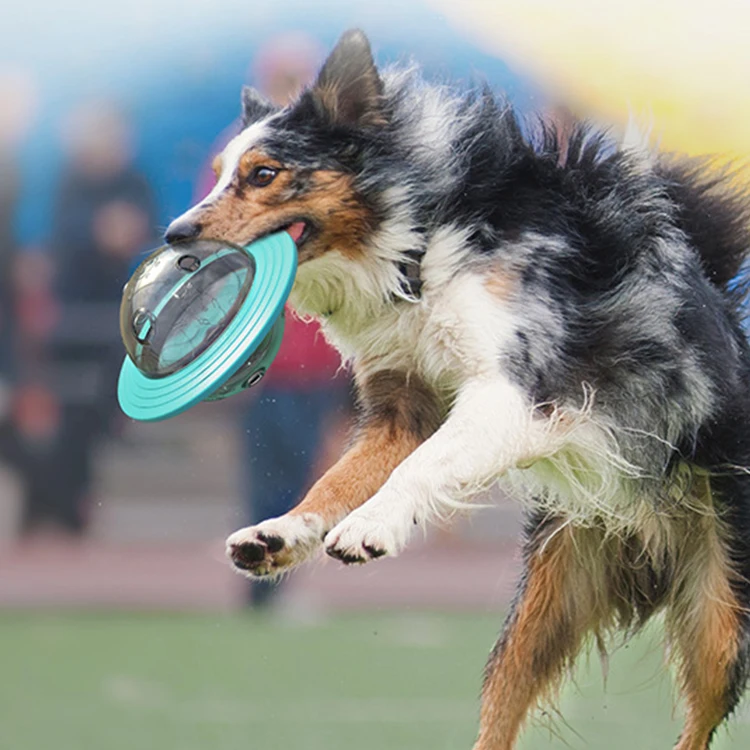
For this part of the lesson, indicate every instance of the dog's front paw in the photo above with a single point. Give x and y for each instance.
(275, 546)
(363, 536)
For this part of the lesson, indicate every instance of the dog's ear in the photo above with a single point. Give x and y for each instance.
(349, 90)
(255, 106)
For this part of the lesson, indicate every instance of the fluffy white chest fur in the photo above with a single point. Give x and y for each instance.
(452, 334)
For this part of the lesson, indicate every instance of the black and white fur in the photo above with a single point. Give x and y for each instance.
(577, 330)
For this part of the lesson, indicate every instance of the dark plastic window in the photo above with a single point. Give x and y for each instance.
(180, 300)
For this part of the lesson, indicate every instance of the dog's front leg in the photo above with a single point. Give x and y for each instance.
(489, 430)
(398, 413)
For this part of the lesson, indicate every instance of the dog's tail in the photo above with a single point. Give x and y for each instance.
(713, 209)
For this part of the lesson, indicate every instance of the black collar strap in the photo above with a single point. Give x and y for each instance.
(411, 273)
(410, 269)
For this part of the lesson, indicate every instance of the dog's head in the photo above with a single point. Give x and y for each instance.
(298, 168)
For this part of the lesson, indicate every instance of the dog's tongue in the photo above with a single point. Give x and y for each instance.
(295, 230)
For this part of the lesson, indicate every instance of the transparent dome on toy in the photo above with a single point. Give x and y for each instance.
(180, 300)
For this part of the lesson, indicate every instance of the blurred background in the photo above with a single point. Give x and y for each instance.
(120, 622)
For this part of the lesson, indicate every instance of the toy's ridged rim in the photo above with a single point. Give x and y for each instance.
(150, 399)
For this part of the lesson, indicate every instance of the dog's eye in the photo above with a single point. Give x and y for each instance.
(262, 176)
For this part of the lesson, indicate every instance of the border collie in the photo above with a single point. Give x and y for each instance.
(560, 314)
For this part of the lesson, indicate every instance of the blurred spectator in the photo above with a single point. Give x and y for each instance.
(103, 217)
(294, 422)
(18, 97)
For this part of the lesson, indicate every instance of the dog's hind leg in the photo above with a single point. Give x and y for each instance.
(563, 598)
(707, 621)
(398, 413)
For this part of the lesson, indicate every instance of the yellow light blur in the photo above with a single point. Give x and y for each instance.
(684, 65)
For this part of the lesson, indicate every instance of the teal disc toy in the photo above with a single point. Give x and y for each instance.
(201, 321)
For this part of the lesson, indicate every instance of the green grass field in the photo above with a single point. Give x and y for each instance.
(127, 682)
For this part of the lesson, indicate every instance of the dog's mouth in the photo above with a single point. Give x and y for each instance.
(300, 231)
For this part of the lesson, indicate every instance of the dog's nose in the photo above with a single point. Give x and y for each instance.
(181, 230)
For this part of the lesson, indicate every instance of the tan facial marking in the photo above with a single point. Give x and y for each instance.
(242, 212)
(250, 161)
(344, 219)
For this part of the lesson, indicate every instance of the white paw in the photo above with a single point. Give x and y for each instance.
(369, 533)
(276, 545)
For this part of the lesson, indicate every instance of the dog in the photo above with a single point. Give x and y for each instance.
(559, 314)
